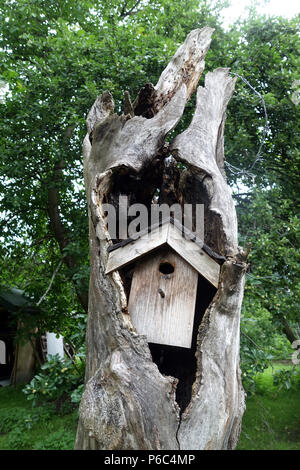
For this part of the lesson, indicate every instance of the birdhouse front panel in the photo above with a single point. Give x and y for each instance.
(162, 298)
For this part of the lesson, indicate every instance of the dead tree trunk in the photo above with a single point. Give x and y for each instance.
(133, 399)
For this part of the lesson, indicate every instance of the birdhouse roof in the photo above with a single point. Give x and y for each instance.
(171, 233)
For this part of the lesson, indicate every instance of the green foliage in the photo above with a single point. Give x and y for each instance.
(271, 419)
(268, 208)
(55, 60)
(77, 394)
(17, 440)
(75, 334)
(59, 440)
(10, 418)
(56, 57)
(268, 221)
(17, 421)
(287, 377)
(260, 342)
(265, 53)
(41, 427)
(57, 379)
(253, 362)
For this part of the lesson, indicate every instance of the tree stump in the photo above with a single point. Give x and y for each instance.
(134, 399)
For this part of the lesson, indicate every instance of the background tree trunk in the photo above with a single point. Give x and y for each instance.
(129, 403)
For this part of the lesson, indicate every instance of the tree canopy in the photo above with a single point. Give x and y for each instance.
(57, 57)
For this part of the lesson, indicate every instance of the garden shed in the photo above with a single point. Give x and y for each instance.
(17, 359)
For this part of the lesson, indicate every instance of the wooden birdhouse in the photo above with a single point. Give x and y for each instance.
(162, 299)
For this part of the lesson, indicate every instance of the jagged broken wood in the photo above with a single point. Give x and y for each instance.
(130, 402)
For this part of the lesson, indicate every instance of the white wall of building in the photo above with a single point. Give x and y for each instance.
(55, 345)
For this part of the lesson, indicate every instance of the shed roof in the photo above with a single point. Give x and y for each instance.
(14, 299)
(170, 232)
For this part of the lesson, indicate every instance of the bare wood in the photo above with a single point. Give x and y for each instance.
(162, 306)
(183, 230)
(137, 248)
(186, 66)
(201, 146)
(194, 255)
(50, 283)
(142, 134)
(171, 235)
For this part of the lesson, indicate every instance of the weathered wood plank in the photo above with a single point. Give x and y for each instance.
(171, 234)
(194, 255)
(137, 248)
(185, 231)
(138, 235)
(162, 306)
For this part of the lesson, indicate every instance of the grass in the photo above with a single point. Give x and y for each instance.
(272, 417)
(41, 428)
(271, 420)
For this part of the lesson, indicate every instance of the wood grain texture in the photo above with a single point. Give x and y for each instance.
(162, 306)
(171, 235)
(201, 146)
(186, 66)
(217, 405)
(143, 135)
(137, 248)
(194, 255)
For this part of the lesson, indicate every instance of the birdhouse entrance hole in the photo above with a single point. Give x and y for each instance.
(166, 268)
(182, 362)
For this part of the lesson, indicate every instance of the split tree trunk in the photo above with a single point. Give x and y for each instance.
(128, 402)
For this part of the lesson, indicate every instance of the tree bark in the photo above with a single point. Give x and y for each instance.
(128, 402)
(288, 331)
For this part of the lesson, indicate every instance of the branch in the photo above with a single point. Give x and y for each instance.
(289, 333)
(123, 9)
(250, 339)
(200, 148)
(51, 282)
(131, 11)
(186, 67)
(53, 206)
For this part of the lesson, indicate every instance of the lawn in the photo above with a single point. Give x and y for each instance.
(272, 417)
(41, 428)
(271, 421)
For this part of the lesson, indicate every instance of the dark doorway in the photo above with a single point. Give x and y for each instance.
(7, 334)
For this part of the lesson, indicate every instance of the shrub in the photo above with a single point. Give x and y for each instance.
(287, 378)
(15, 422)
(77, 394)
(18, 440)
(59, 440)
(55, 381)
(11, 417)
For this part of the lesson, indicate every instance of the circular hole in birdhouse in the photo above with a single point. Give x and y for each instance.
(166, 268)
